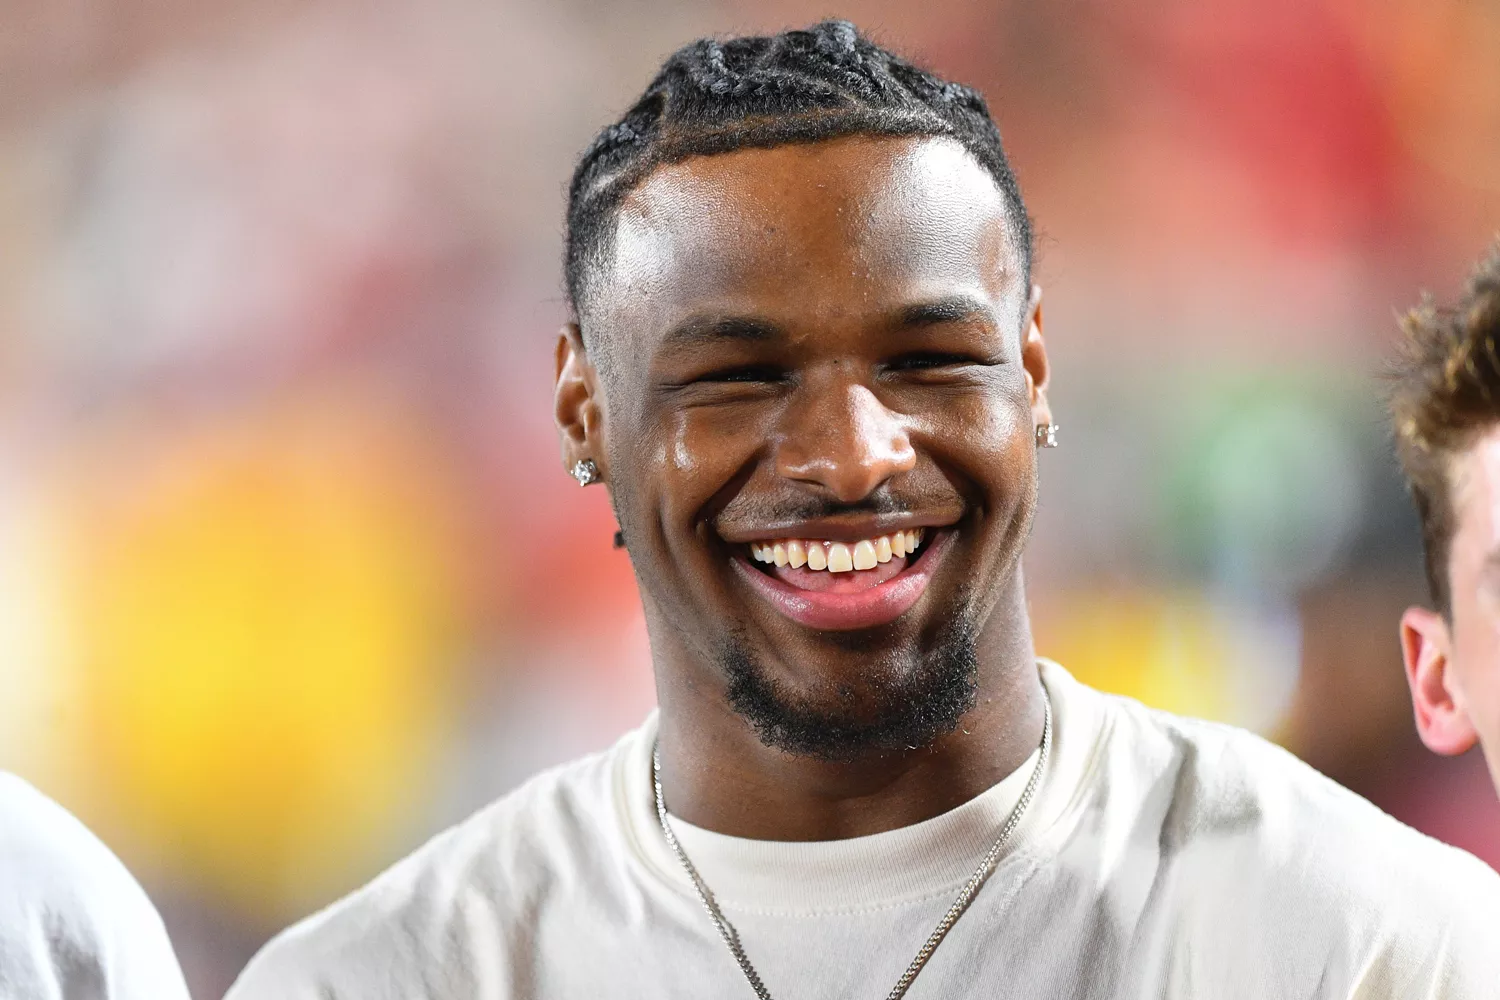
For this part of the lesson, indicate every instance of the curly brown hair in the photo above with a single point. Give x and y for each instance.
(1445, 394)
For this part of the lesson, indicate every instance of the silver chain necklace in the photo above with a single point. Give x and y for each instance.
(965, 895)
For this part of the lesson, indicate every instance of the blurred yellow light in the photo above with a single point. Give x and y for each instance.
(1168, 650)
(266, 613)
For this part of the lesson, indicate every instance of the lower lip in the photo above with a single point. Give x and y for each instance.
(835, 612)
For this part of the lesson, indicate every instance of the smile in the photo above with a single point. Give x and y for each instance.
(843, 585)
(837, 557)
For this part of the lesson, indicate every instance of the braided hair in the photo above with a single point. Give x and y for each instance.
(796, 87)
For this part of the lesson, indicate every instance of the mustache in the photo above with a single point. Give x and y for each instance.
(767, 510)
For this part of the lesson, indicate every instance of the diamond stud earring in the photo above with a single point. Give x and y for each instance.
(586, 472)
(1046, 435)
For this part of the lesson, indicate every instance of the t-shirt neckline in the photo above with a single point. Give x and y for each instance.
(931, 858)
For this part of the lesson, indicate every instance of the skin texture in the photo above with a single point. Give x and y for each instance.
(1453, 663)
(757, 365)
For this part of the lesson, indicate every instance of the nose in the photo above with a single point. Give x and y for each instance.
(844, 440)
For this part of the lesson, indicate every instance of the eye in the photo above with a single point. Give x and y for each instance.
(924, 360)
(744, 373)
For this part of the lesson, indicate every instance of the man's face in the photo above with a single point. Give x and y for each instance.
(806, 360)
(1458, 696)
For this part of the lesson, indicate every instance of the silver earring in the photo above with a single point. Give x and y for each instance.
(1046, 435)
(586, 472)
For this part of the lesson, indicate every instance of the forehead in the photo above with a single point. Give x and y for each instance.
(817, 230)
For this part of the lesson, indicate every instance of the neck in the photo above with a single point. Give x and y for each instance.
(716, 773)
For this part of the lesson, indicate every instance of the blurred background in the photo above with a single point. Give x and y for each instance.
(291, 576)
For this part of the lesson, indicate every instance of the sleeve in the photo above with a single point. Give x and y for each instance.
(73, 922)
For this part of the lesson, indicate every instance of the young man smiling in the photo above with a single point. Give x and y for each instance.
(808, 364)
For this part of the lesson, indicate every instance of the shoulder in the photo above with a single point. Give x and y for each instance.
(413, 927)
(45, 851)
(70, 909)
(1242, 826)
(1226, 781)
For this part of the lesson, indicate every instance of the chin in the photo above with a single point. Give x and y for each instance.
(868, 695)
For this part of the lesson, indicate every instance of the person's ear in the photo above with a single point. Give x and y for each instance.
(1427, 648)
(578, 404)
(1034, 360)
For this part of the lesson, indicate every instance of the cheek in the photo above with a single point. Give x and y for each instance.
(996, 439)
(1011, 427)
(1476, 640)
(695, 454)
(1013, 485)
(1478, 674)
(1476, 610)
(1476, 653)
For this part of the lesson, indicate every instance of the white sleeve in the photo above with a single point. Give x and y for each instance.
(73, 922)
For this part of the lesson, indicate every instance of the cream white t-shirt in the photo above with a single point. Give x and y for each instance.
(1161, 858)
(74, 925)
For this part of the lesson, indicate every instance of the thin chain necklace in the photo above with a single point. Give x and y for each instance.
(965, 895)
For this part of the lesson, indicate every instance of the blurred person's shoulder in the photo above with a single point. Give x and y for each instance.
(73, 921)
(451, 918)
(1235, 827)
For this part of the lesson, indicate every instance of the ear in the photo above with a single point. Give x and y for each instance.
(577, 402)
(1034, 360)
(1427, 648)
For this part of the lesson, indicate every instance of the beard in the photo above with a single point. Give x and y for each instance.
(906, 701)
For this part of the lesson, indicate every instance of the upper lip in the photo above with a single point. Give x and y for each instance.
(851, 528)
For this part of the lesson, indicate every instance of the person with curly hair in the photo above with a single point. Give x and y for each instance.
(1445, 403)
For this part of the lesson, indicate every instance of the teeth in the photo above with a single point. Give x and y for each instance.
(837, 557)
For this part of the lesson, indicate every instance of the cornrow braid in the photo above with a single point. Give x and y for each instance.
(805, 86)
(1445, 393)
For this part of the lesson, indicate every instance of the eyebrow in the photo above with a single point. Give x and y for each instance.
(700, 330)
(949, 309)
(704, 329)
